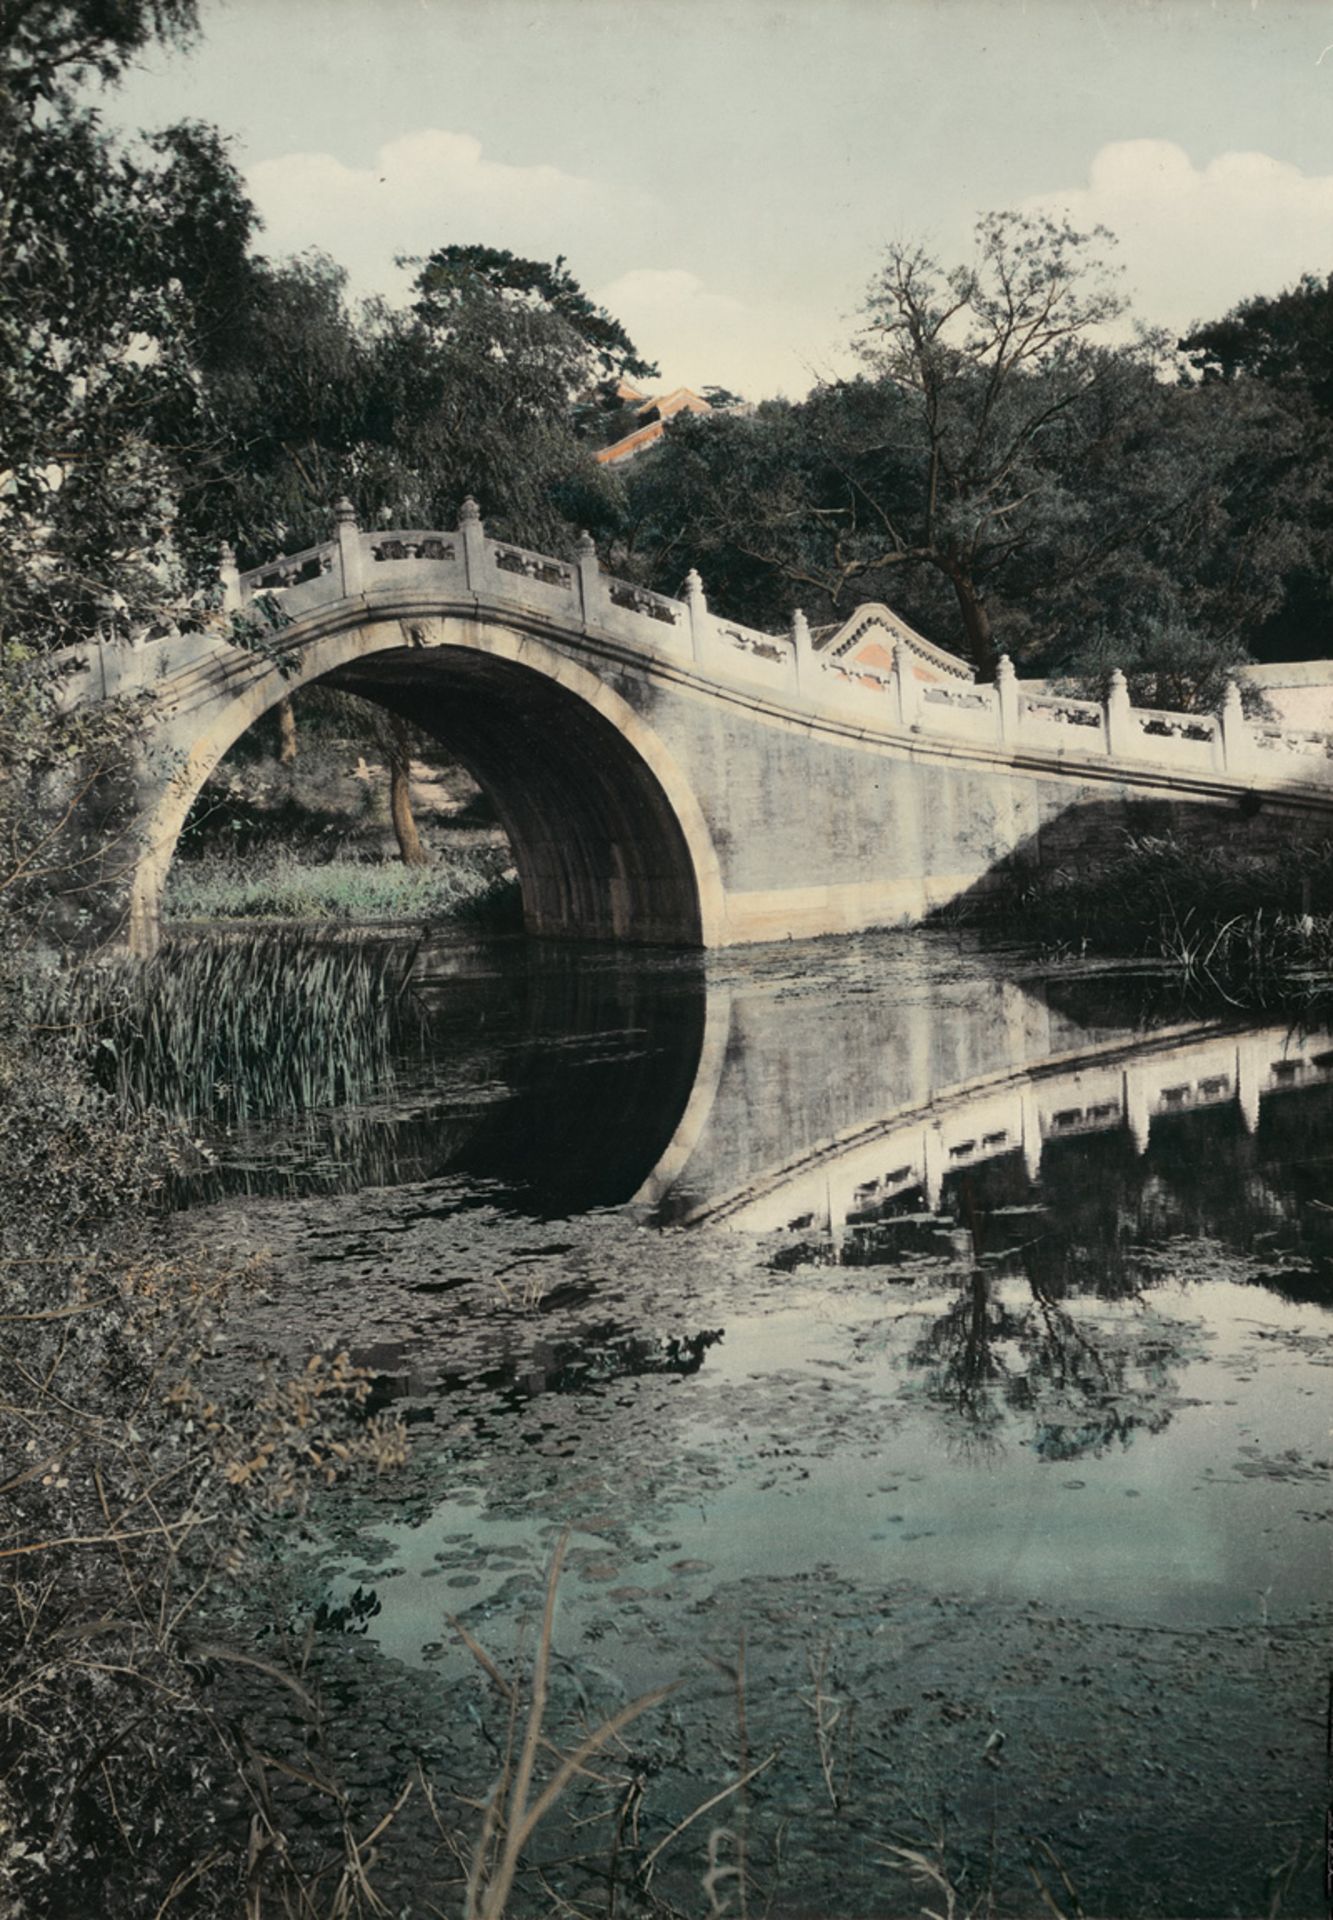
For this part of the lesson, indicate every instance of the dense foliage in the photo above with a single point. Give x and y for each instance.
(1013, 476)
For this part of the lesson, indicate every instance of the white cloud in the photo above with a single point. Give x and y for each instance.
(433, 187)
(701, 338)
(1195, 240)
(425, 190)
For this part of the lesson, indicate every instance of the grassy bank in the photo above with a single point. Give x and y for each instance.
(1258, 931)
(473, 884)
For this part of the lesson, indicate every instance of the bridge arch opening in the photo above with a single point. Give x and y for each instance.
(607, 838)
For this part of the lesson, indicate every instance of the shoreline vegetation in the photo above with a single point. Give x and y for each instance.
(476, 885)
(1253, 933)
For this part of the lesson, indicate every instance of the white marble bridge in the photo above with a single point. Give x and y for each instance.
(666, 775)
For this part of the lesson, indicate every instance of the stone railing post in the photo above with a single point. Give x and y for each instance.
(589, 575)
(700, 618)
(348, 536)
(1120, 741)
(1006, 699)
(802, 651)
(229, 575)
(1136, 1106)
(474, 544)
(1233, 731)
(906, 695)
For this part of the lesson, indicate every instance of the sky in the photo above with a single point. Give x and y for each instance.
(724, 175)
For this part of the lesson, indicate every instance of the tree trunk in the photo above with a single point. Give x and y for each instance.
(400, 798)
(286, 733)
(976, 621)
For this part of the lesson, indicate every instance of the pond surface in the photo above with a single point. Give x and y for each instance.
(939, 1343)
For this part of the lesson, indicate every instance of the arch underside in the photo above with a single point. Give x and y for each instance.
(599, 849)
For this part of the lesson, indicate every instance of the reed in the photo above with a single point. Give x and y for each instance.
(228, 1032)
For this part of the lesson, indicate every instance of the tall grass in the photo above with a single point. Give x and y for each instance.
(469, 883)
(228, 1032)
(1256, 928)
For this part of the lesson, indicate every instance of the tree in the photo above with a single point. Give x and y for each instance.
(1285, 339)
(741, 499)
(283, 403)
(47, 47)
(1005, 479)
(453, 277)
(111, 259)
(473, 391)
(934, 478)
(1002, 378)
(1278, 351)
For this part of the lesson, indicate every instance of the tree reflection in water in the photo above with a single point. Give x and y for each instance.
(1005, 1354)
(1051, 1337)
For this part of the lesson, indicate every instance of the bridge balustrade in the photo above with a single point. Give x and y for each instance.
(1178, 739)
(855, 1185)
(468, 561)
(1083, 721)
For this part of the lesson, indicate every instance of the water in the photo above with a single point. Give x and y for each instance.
(950, 1337)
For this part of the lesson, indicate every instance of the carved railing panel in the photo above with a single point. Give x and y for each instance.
(762, 645)
(291, 570)
(1159, 723)
(965, 710)
(1267, 738)
(533, 566)
(398, 544)
(1052, 712)
(958, 699)
(858, 678)
(640, 600)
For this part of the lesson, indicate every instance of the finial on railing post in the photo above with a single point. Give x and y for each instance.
(1006, 697)
(1118, 714)
(348, 536)
(588, 573)
(474, 543)
(700, 618)
(1233, 731)
(230, 577)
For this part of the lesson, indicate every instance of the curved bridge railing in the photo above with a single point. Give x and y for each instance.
(1117, 1087)
(921, 691)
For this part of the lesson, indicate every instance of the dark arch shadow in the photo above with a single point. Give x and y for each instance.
(599, 851)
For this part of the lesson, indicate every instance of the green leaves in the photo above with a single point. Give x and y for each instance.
(110, 258)
(454, 276)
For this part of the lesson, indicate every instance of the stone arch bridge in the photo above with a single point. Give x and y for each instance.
(668, 776)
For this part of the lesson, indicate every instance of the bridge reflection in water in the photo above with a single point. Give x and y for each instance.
(846, 1099)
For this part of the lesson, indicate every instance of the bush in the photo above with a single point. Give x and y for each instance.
(133, 1499)
(1258, 929)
